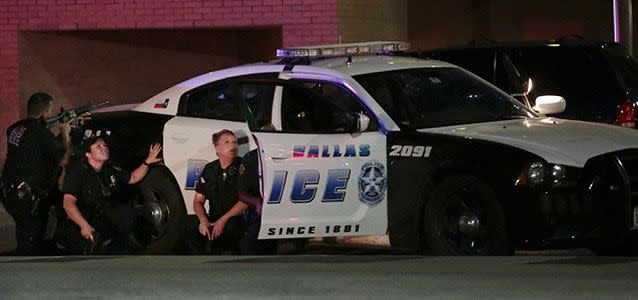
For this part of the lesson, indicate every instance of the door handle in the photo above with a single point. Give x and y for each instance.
(280, 156)
(180, 137)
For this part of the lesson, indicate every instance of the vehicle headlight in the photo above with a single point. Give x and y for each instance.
(559, 172)
(536, 173)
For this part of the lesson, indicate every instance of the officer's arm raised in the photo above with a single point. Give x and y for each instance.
(75, 215)
(140, 172)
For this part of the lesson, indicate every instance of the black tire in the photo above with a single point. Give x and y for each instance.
(162, 209)
(464, 217)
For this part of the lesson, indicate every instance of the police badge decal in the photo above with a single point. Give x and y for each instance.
(372, 183)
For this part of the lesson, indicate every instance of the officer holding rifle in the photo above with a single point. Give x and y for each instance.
(31, 171)
(33, 164)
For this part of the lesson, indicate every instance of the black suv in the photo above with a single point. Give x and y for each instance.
(598, 80)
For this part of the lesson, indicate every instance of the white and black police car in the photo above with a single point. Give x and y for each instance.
(366, 143)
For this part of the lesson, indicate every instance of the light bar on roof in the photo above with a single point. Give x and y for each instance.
(343, 49)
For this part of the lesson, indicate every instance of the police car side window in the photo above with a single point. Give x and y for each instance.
(316, 107)
(220, 100)
(258, 98)
(211, 102)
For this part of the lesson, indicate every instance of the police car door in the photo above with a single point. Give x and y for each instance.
(323, 163)
(188, 146)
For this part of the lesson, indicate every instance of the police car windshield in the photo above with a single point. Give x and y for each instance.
(436, 97)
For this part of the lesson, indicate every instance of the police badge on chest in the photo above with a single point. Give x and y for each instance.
(229, 173)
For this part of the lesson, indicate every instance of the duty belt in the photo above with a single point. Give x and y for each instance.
(24, 192)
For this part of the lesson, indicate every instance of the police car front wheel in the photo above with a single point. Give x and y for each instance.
(464, 217)
(163, 210)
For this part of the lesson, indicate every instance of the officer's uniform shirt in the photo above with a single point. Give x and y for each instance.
(219, 186)
(33, 154)
(94, 190)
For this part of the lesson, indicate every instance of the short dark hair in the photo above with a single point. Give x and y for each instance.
(88, 142)
(218, 135)
(38, 103)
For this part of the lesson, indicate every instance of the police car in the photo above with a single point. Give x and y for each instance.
(366, 143)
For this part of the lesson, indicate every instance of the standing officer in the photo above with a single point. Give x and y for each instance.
(93, 200)
(31, 171)
(222, 227)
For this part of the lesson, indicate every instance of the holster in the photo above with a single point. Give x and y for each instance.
(52, 223)
(93, 245)
(25, 193)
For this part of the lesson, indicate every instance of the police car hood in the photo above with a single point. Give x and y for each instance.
(558, 141)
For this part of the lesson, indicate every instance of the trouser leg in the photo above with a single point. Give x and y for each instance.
(28, 226)
(72, 238)
(228, 242)
(195, 242)
(251, 245)
(121, 218)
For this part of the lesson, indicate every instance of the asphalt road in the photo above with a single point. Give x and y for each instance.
(344, 268)
(319, 276)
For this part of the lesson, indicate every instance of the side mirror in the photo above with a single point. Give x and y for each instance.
(363, 122)
(549, 104)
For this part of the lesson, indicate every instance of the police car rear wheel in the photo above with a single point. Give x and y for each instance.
(163, 209)
(463, 217)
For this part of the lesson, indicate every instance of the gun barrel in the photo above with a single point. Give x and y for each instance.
(74, 113)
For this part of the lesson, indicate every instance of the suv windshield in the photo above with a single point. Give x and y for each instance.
(436, 97)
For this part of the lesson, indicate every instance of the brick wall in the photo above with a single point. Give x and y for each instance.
(434, 24)
(373, 20)
(301, 22)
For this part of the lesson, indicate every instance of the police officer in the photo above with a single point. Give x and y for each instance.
(94, 202)
(249, 194)
(31, 171)
(218, 231)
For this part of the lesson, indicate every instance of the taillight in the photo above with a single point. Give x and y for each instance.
(626, 116)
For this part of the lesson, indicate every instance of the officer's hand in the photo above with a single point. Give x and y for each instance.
(218, 227)
(204, 229)
(84, 117)
(65, 128)
(87, 233)
(153, 152)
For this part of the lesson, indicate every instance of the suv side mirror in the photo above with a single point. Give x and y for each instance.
(362, 121)
(524, 87)
(549, 104)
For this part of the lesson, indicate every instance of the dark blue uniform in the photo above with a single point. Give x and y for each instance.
(102, 200)
(220, 188)
(30, 174)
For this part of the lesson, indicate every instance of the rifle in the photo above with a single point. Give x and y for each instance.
(71, 115)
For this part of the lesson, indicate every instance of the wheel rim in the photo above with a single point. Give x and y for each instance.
(157, 214)
(465, 224)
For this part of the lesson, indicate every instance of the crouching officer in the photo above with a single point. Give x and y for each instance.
(31, 171)
(218, 231)
(94, 203)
